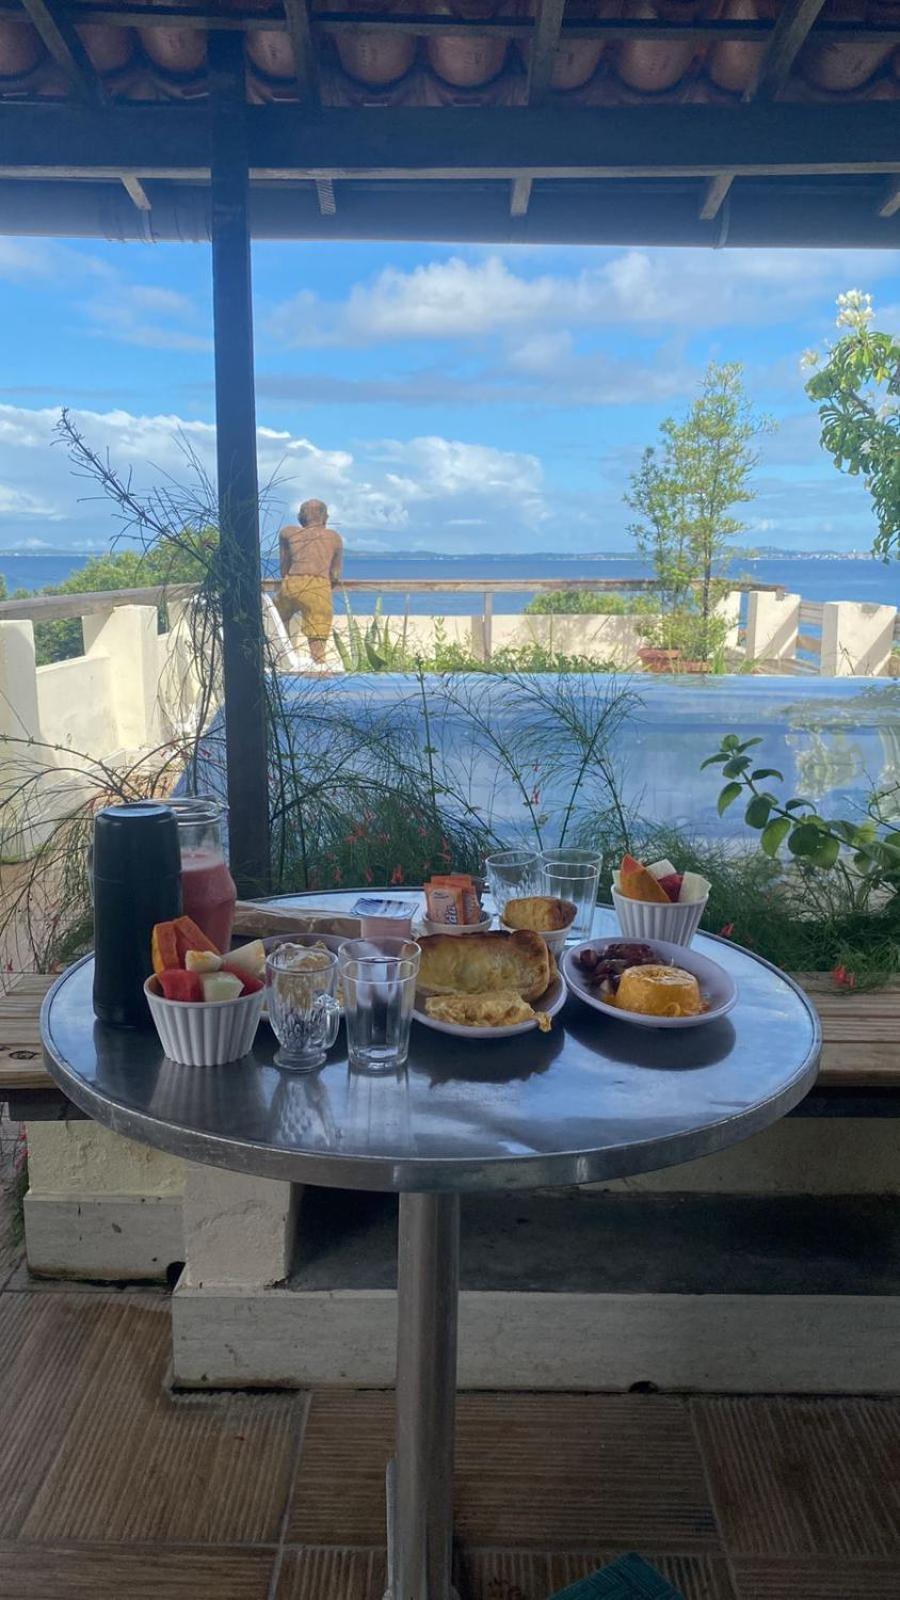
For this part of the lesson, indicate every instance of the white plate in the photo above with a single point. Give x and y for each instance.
(551, 1001)
(716, 985)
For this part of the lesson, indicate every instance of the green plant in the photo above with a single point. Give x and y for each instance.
(374, 649)
(587, 602)
(170, 558)
(684, 495)
(864, 854)
(857, 392)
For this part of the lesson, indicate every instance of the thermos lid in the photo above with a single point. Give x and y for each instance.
(136, 841)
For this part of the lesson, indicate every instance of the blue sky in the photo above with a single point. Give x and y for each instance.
(438, 399)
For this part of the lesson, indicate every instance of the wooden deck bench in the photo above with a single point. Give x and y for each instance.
(859, 1074)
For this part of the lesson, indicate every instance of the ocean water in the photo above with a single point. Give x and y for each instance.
(816, 580)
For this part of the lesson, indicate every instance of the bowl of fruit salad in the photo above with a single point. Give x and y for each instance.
(205, 1005)
(658, 901)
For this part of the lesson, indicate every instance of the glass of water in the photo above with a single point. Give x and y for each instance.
(512, 875)
(575, 854)
(378, 980)
(303, 1011)
(576, 881)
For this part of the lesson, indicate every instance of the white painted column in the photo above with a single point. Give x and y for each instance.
(127, 636)
(20, 818)
(856, 639)
(773, 623)
(729, 608)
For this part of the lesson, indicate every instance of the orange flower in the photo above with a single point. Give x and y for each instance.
(368, 874)
(843, 978)
(726, 930)
(397, 875)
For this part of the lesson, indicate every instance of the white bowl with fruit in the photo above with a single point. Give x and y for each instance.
(658, 901)
(206, 1006)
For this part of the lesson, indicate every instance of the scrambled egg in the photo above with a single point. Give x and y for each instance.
(501, 1009)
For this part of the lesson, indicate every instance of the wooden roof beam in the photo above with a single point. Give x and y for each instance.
(67, 50)
(325, 197)
(305, 60)
(480, 143)
(890, 205)
(544, 45)
(789, 35)
(136, 192)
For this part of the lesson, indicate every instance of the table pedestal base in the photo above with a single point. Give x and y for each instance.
(420, 1480)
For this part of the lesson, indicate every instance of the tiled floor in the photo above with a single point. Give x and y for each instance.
(112, 1489)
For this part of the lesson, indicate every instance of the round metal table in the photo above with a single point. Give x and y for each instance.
(593, 1099)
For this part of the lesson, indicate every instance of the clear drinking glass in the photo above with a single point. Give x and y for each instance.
(512, 874)
(574, 855)
(576, 881)
(303, 1011)
(378, 980)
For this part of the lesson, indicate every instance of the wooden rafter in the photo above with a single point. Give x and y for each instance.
(544, 44)
(62, 41)
(890, 205)
(305, 60)
(136, 192)
(790, 33)
(271, 19)
(325, 197)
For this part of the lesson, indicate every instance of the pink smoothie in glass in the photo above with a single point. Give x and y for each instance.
(208, 894)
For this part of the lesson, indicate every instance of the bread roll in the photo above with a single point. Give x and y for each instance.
(542, 912)
(485, 961)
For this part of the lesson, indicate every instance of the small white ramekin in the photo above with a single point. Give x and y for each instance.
(555, 941)
(457, 927)
(204, 1033)
(647, 919)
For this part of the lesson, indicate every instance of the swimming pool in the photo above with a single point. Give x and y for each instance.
(502, 745)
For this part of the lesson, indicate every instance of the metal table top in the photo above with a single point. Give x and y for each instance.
(593, 1099)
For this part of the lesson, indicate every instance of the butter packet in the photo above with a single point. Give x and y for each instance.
(469, 900)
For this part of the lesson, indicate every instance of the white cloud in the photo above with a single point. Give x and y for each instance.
(146, 314)
(19, 503)
(459, 298)
(404, 490)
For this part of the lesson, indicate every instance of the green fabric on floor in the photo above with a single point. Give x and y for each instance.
(629, 1578)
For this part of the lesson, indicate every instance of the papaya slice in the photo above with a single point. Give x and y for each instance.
(640, 884)
(190, 937)
(164, 953)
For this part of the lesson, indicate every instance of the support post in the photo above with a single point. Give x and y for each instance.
(243, 670)
(421, 1534)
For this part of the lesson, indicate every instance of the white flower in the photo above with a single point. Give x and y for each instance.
(854, 310)
(809, 358)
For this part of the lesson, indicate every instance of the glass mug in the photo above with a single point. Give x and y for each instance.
(378, 981)
(303, 1012)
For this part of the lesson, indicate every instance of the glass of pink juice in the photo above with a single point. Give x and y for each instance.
(207, 887)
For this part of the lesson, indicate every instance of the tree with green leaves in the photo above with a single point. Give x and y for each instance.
(856, 389)
(166, 561)
(685, 494)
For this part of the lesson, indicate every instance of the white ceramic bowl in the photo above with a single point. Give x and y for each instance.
(204, 1033)
(457, 927)
(676, 923)
(555, 941)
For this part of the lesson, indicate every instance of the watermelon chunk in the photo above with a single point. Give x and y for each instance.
(251, 985)
(176, 984)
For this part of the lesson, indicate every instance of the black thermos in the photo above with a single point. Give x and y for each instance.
(137, 882)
